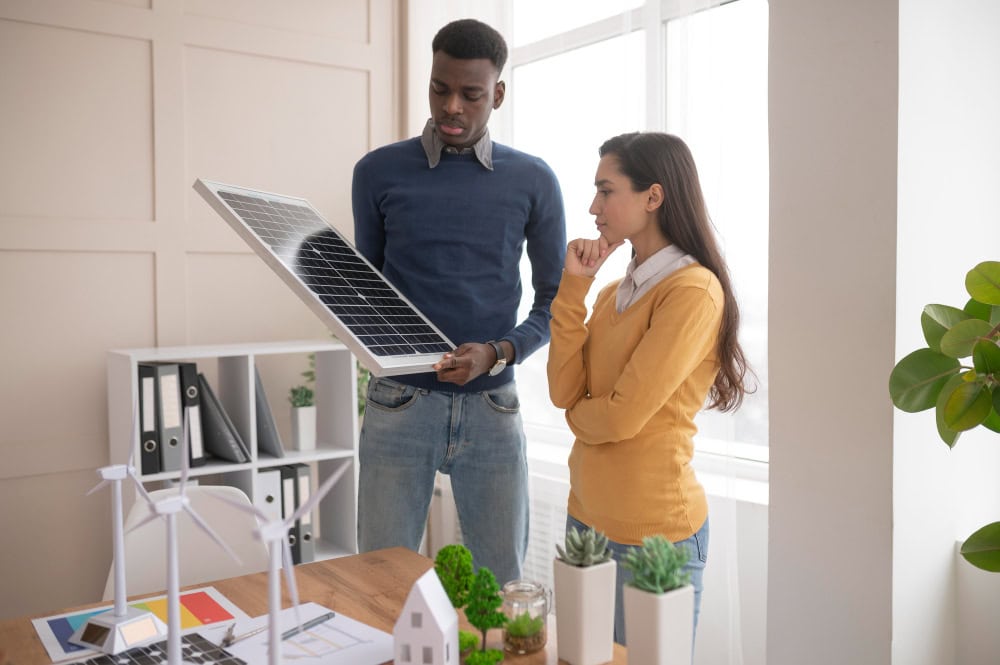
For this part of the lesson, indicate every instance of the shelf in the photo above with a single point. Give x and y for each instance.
(336, 423)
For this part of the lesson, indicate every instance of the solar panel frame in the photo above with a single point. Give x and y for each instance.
(384, 330)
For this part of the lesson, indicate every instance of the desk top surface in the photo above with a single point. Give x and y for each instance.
(370, 587)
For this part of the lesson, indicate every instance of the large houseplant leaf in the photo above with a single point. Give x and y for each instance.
(986, 357)
(936, 320)
(983, 282)
(917, 379)
(967, 405)
(979, 310)
(982, 549)
(960, 340)
(947, 434)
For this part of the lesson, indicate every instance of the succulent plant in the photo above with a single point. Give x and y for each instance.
(657, 566)
(584, 548)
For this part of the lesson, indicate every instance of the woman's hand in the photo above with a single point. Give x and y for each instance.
(585, 256)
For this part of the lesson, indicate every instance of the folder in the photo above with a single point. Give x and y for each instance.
(268, 440)
(169, 414)
(149, 439)
(220, 436)
(289, 479)
(268, 498)
(307, 551)
(191, 398)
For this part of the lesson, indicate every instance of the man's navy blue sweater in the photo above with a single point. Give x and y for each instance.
(451, 239)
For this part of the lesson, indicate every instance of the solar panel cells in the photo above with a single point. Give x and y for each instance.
(359, 298)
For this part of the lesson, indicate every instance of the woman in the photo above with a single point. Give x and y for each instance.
(658, 342)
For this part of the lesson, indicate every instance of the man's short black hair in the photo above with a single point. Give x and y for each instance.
(468, 39)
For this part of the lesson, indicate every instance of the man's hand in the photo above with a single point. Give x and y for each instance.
(465, 363)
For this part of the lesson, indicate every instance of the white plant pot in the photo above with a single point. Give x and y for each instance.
(585, 612)
(304, 427)
(659, 627)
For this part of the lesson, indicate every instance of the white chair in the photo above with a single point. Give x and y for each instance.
(200, 559)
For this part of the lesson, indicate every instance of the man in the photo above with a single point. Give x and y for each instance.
(446, 217)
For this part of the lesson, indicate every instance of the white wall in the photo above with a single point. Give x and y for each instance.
(833, 104)
(949, 220)
(108, 112)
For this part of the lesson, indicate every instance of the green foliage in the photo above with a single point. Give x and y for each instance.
(453, 565)
(657, 566)
(524, 625)
(484, 601)
(466, 640)
(301, 396)
(364, 376)
(963, 395)
(485, 657)
(584, 548)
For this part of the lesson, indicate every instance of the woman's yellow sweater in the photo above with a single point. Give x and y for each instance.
(631, 384)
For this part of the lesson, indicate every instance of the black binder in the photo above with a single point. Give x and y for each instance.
(191, 399)
(268, 439)
(303, 484)
(289, 480)
(149, 438)
(220, 436)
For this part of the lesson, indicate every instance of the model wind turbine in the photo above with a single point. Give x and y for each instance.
(125, 627)
(275, 534)
(169, 507)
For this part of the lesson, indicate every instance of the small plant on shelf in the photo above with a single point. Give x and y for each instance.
(657, 566)
(301, 396)
(584, 548)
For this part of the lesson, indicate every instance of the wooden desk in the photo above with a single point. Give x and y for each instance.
(371, 588)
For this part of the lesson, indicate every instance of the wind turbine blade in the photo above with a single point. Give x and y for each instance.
(138, 486)
(143, 523)
(318, 495)
(132, 430)
(293, 590)
(97, 487)
(214, 536)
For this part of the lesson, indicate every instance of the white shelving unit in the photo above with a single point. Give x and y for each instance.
(336, 424)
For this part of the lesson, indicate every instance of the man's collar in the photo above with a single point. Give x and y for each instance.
(434, 146)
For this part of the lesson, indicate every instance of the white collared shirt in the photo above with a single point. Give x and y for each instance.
(641, 278)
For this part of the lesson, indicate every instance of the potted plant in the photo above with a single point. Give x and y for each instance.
(524, 633)
(453, 565)
(584, 580)
(303, 417)
(483, 612)
(526, 605)
(659, 604)
(963, 395)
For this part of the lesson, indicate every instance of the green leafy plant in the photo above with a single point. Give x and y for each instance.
(486, 657)
(584, 548)
(453, 565)
(657, 566)
(466, 640)
(301, 396)
(525, 625)
(484, 600)
(963, 395)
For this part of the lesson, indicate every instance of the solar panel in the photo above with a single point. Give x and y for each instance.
(383, 329)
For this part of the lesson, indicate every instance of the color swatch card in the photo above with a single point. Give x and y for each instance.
(200, 608)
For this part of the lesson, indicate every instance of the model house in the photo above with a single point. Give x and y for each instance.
(427, 629)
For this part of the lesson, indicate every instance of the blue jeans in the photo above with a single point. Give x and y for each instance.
(477, 438)
(697, 546)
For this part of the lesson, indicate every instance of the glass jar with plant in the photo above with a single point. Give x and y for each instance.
(526, 605)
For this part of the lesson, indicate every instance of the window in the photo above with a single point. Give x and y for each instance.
(656, 66)
(404, 653)
(428, 655)
(416, 620)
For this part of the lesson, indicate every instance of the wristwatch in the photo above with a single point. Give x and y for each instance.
(501, 362)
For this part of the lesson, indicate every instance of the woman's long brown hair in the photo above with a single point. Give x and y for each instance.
(652, 157)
